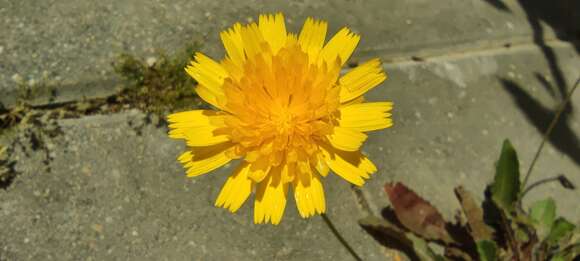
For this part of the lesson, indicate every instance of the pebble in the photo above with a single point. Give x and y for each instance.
(418, 114)
(509, 25)
(151, 61)
(17, 78)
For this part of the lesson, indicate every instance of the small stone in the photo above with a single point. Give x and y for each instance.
(98, 228)
(32, 82)
(511, 74)
(17, 79)
(1, 49)
(418, 115)
(134, 233)
(408, 22)
(510, 25)
(150, 61)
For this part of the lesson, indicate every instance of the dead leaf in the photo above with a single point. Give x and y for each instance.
(474, 214)
(389, 235)
(416, 214)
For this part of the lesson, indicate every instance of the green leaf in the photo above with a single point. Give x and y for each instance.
(506, 184)
(487, 250)
(558, 258)
(560, 229)
(543, 213)
(521, 234)
(424, 252)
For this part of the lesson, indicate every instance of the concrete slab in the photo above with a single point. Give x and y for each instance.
(65, 48)
(109, 188)
(452, 113)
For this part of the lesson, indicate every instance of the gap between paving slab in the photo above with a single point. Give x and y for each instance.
(73, 43)
(452, 113)
(105, 196)
(113, 190)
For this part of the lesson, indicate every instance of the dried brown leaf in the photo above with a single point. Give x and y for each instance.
(416, 214)
(474, 214)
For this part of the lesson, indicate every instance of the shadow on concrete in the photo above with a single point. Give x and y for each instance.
(499, 5)
(560, 15)
(562, 136)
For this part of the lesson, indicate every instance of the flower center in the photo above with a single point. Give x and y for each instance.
(283, 121)
(281, 104)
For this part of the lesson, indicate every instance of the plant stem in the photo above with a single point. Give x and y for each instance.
(512, 243)
(549, 130)
(539, 182)
(339, 237)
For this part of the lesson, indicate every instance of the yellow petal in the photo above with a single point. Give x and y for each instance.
(318, 194)
(202, 160)
(273, 30)
(259, 169)
(236, 189)
(361, 79)
(207, 95)
(234, 70)
(252, 40)
(366, 116)
(210, 75)
(232, 40)
(309, 196)
(340, 46)
(351, 166)
(312, 37)
(270, 198)
(319, 164)
(198, 127)
(346, 139)
(359, 99)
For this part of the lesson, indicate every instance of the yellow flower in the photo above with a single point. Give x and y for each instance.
(284, 110)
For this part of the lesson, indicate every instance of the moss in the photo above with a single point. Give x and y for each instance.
(159, 86)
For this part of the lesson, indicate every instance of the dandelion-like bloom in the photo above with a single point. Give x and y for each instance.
(285, 111)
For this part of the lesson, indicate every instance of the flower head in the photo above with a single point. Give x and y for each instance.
(284, 110)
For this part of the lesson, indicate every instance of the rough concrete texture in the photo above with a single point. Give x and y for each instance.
(112, 190)
(108, 187)
(452, 114)
(65, 48)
